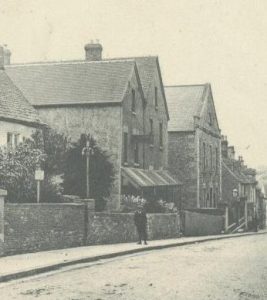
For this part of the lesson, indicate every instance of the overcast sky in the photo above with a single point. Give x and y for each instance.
(221, 42)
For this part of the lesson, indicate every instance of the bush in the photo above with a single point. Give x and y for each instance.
(17, 168)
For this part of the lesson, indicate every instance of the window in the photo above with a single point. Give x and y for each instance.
(16, 139)
(151, 126)
(156, 97)
(125, 148)
(210, 119)
(204, 156)
(133, 101)
(13, 139)
(136, 156)
(160, 135)
(204, 198)
(9, 139)
(211, 197)
(211, 162)
(216, 160)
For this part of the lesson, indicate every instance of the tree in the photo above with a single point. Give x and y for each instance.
(101, 172)
(17, 167)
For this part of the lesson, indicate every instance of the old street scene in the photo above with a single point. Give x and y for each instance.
(133, 166)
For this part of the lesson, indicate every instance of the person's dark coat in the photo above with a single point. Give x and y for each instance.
(140, 219)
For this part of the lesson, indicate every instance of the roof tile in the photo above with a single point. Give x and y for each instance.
(13, 104)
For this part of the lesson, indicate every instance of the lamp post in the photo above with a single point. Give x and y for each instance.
(87, 151)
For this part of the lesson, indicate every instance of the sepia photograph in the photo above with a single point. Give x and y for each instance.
(133, 150)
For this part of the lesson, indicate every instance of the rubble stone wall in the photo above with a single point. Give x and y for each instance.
(197, 224)
(40, 227)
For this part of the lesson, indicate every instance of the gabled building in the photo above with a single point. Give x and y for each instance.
(194, 154)
(120, 102)
(239, 185)
(18, 119)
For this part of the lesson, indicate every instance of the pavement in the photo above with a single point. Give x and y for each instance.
(24, 265)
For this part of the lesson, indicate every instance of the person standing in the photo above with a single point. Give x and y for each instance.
(140, 221)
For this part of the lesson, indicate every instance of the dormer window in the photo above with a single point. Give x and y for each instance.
(133, 101)
(156, 97)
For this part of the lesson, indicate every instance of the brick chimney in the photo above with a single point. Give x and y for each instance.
(231, 152)
(93, 51)
(4, 56)
(224, 145)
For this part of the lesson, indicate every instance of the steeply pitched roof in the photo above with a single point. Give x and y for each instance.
(13, 104)
(68, 83)
(238, 175)
(147, 66)
(184, 102)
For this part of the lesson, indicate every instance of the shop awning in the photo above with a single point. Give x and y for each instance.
(149, 178)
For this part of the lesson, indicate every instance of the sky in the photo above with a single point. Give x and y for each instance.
(216, 41)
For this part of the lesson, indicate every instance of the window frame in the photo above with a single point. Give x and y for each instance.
(160, 134)
(133, 107)
(156, 97)
(125, 147)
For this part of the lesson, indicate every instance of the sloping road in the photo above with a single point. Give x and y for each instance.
(225, 269)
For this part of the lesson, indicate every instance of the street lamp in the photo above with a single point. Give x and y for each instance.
(87, 151)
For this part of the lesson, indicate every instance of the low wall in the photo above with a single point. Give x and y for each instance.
(197, 223)
(38, 227)
(1, 225)
(105, 228)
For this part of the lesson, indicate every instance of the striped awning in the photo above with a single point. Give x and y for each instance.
(149, 178)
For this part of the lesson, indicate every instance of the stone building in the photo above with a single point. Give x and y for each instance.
(120, 102)
(18, 119)
(239, 185)
(194, 144)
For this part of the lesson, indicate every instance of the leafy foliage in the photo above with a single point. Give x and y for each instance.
(57, 156)
(17, 167)
(101, 172)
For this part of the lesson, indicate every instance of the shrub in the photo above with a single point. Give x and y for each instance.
(101, 172)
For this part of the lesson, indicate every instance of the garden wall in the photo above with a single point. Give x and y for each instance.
(198, 223)
(39, 227)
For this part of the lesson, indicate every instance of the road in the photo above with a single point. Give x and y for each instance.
(226, 269)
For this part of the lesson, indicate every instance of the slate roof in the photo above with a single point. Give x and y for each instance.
(184, 102)
(147, 65)
(72, 82)
(13, 104)
(240, 176)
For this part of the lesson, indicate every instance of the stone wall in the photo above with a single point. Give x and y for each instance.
(196, 223)
(183, 165)
(210, 174)
(102, 122)
(1, 223)
(39, 227)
